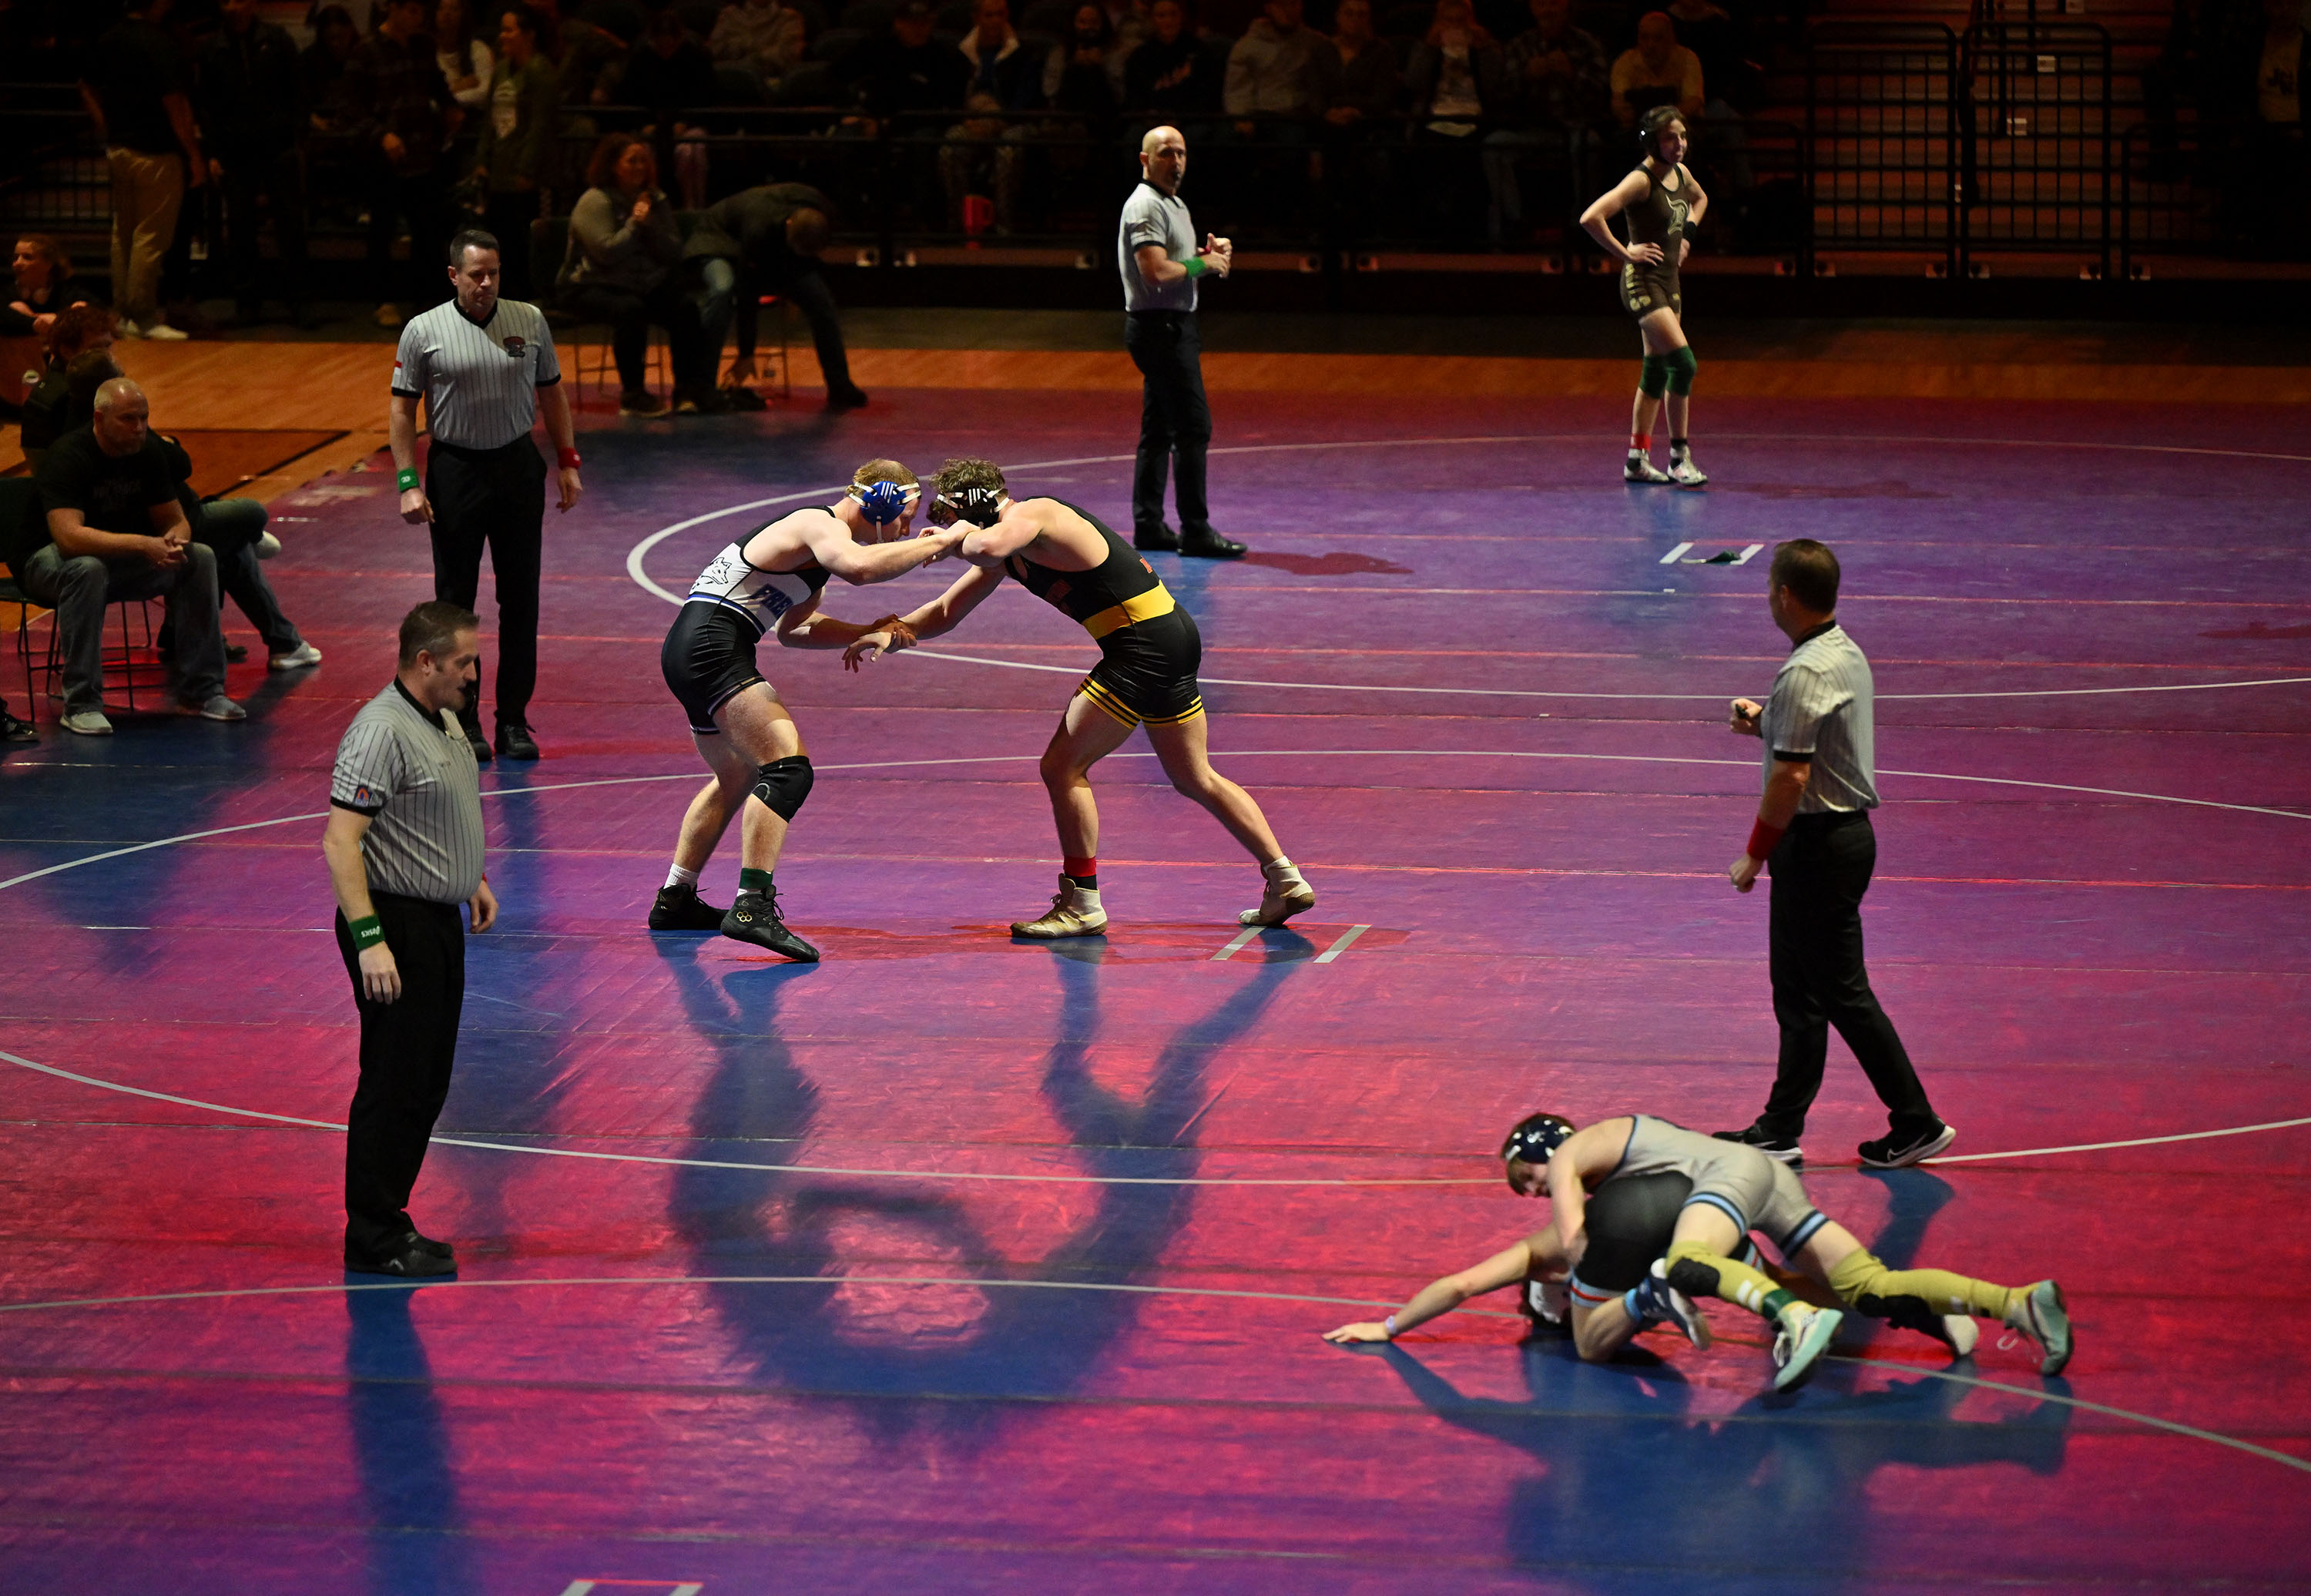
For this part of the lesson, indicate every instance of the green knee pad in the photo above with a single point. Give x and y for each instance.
(1655, 379)
(1679, 365)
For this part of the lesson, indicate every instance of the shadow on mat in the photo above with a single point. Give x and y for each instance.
(883, 1348)
(401, 1451)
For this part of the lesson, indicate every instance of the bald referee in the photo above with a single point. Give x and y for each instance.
(404, 848)
(485, 368)
(1813, 824)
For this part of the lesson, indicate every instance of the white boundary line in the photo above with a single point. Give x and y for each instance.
(2190, 1432)
(2098, 1147)
(643, 578)
(1348, 940)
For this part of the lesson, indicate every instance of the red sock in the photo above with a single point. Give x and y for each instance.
(1640, 441)
(1084, 869)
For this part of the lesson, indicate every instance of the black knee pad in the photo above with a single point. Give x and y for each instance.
(784, 784)
(1693, 1277)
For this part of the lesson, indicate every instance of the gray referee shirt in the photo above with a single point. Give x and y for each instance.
(1821, 710)
(414, 775)
(479, 380)
(1151, 216)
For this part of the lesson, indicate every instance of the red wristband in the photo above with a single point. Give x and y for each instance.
(567, 459)
(1762, 838)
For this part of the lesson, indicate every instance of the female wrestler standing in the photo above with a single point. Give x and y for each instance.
(1663, 205)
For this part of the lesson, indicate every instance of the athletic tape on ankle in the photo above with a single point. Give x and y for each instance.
(366, 931)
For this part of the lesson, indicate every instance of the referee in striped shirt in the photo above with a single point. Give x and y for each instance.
(1813, 827)
(486, 370)
(404, 848)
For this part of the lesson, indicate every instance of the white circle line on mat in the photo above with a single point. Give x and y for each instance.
(2190, 1432)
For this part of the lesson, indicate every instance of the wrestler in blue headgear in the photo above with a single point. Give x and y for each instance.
(883, 502)
(1534, 1140)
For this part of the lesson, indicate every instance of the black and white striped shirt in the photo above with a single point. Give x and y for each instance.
(1822, 709)
(479, 380)
(414, 775)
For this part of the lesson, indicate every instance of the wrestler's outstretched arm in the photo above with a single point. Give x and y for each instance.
(1536, 1254)
(941, 615)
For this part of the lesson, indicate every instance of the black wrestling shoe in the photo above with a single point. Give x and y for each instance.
(1208, 544)
(754, 916)
(411, 1261)
(515, 742)
(1159, 540)
(1900, 1149)
(1783, 1148)
(680, 909)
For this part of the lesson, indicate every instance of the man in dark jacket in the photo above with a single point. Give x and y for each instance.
(252, 110)
(403, 115)
(907, 69)
(767, 240)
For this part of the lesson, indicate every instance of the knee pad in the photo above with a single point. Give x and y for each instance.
(784, 784)
(1690, 1271)
(1653, 380)
(1682, 364)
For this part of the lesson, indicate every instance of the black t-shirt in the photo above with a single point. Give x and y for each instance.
(112, 495)
(132, 65)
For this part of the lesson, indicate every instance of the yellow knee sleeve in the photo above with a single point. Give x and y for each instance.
(1913, 1298)
(1697, 1271)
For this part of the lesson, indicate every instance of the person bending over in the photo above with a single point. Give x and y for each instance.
(1150, 651)
(770, 578)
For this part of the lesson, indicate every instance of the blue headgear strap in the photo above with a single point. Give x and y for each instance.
(881, 503)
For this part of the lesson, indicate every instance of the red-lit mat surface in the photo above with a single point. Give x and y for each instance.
(768, 1331)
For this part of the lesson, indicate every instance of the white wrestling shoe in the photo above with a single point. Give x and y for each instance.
(1075, 912)
(1803, 1334)
(1640, 468)
(1283, 895)
(1683, 472)
(2041, 1314)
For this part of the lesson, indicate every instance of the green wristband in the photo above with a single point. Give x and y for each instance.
(367, 932)
(1197, 266)
(407, 478)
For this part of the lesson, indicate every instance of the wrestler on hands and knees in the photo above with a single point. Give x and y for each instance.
(770, 578)
(1150, 651)
(1729, 1187)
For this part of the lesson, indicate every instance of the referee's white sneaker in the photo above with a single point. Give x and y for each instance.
(297, 659)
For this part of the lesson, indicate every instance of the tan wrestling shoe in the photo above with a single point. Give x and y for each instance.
(1283, 895)
(1075, 912)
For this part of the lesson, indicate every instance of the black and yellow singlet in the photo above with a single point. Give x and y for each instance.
(1149, 648)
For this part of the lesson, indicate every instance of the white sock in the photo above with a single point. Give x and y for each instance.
(676, 875)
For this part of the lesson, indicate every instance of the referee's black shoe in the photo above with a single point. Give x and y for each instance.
(680, 909)
(471, 724)
(1203, 543)
(1899, 1149)
(754, 916)
(1783, 1148)
(515, 742)
(1156, 540)
(412, 1258)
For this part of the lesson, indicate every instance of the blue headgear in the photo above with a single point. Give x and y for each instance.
(1537, 1136)
(982, 506)
(883, 502)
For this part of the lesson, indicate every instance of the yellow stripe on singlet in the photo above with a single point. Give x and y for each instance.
(1141, 606)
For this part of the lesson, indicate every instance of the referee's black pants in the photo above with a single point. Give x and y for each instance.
(497, 497)
(1176, 420)
(1821, 868)
(406, 1048)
